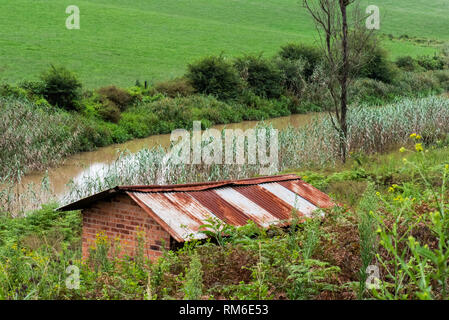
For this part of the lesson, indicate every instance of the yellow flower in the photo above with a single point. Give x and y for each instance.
(413, 135)
(402, 150)
(419, 147)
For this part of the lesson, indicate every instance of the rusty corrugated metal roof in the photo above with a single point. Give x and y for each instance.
(183, 209)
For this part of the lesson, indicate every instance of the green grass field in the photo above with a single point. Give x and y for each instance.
(122, 40)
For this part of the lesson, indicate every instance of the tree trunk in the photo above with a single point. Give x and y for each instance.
(344, 82)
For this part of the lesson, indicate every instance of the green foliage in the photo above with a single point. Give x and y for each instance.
(261, 76)
(55, 135)
(33, 87)
(109, 112)
(293, 75)
(407, 63)
(113, 96)
(139, 124)
(434, 62)
(217, 230)
(311, 56)
(9, 91)
(368, 239)
(179, 87)
(415, 240)
(376, 64)
(193, 286)
(61, 88)
(306, 279)
(214, 76)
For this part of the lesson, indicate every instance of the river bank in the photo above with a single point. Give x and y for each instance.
(88, 163)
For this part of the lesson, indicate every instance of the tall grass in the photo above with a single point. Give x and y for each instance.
(371, 130)
(33, 137)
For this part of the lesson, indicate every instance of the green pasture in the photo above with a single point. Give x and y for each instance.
(124, 40)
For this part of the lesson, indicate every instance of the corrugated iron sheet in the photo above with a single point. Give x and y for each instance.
(184, 209)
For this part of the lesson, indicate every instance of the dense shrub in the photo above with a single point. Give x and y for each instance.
(435, 62)
(376, 64)
(372, 92)
(61, 88)
(293, 75)
(414, 84)
(109, 112)
(408, 63)
(176, 87)
(260, 75)
(443, 78)
(139, 124)
(310, 54)
(117, 96)
(215, 76)
(33, 87)
(7, 90)
(444, 56)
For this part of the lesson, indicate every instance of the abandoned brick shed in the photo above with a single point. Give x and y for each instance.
(169, 215)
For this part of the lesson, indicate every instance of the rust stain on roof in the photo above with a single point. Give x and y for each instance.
(183, 209)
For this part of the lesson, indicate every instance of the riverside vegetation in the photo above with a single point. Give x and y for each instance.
(394, 204)
(215, 90)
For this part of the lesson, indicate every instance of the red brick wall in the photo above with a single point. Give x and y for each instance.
(121, 220)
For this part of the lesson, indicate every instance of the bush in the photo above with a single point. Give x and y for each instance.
(311, 55)
(179, 87)
(293, 75)
(444, 56)
(139, 124)
(61, 88)
(7, 90)
(414, 84)
(443, 78)
(215, 76)
(109, 112)
(372, 92)
(407, 63)
(33, 87)
(119, 97)
(261, 76)
(376, 64)
(431, 62)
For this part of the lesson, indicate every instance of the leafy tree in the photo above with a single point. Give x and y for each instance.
(61, 87)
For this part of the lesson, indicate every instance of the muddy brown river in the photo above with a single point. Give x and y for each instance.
(76, 166)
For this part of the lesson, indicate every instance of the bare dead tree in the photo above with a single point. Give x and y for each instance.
(344, 44)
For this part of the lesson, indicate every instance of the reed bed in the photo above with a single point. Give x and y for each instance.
(33, 137)
(371, 130)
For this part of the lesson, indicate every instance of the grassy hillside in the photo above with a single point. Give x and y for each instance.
(121, 41)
